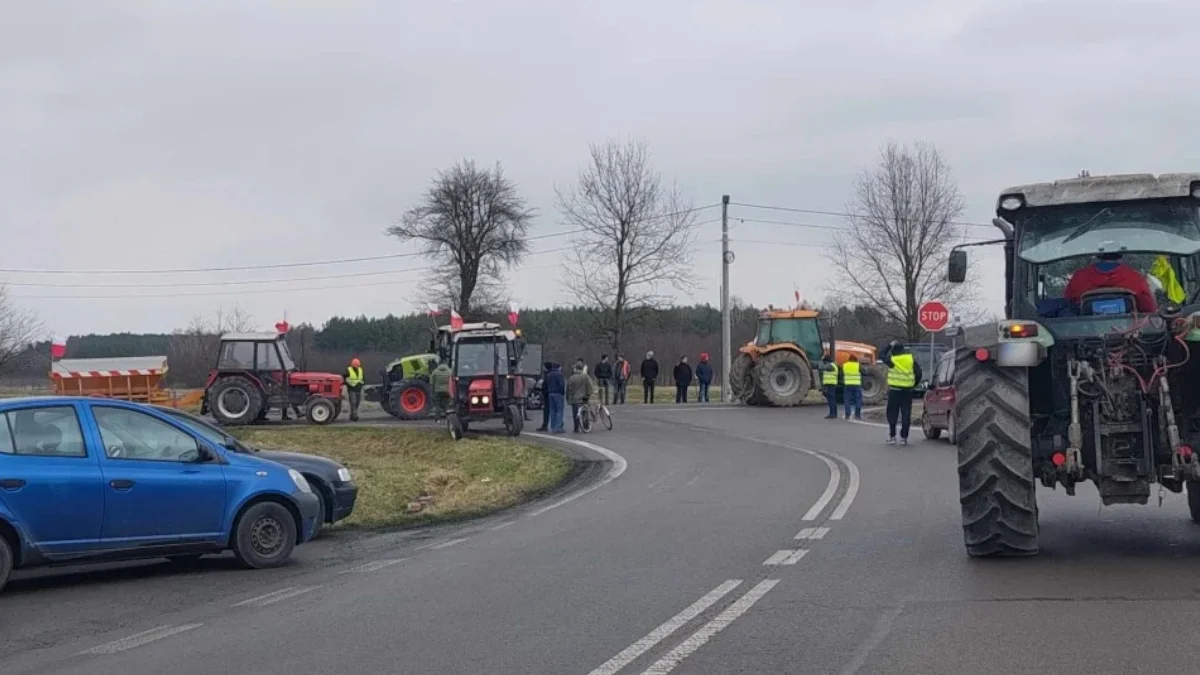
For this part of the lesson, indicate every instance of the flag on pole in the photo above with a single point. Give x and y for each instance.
(456, 321)
(58, 348)
(514, 311)
(434, 310)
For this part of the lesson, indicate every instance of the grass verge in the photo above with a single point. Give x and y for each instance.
(395, 467)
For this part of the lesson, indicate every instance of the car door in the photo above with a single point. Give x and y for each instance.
(940, 397)
(50, 479)
(161, 485)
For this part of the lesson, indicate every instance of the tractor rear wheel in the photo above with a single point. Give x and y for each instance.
(995, 458)
(874, 385)
(784, 378)
(741, 380)
(385, 399)
(1193, 496)
(236, 400)
(410, 399)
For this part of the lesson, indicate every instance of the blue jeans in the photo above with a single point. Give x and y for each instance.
(831, 399)
(852, 397)
(556, 403)
(703, 397)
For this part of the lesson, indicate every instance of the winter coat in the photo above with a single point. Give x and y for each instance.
(650, 369)
(556, 382)
(622, 370)
(704, 372)
(579, 387)
(683, 375)
(439, 379)
(603, 371)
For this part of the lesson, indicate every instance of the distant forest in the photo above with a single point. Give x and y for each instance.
(566, 333)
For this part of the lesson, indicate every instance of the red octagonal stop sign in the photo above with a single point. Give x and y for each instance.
(933, 316)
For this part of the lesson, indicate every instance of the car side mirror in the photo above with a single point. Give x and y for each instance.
(957, 266)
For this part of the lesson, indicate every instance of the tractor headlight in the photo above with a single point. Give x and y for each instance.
(474, 400)
(300, 481)
(485, 400)
(1010, 203)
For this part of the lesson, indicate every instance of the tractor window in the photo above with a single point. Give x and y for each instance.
(268, 357)
(764, 334)
(475, 358)
(802, 332)
(286, 354)
(237, 355)
(1049, 281)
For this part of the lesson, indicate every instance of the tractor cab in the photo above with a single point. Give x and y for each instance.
(489, 370)
(255, 373)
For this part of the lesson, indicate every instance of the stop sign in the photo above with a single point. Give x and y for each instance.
(933, 316)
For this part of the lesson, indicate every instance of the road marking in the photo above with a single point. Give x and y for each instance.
(813, 533)
(501, 526)
(139, 639)
(618, 467)
(630, 653)
(698, 408)
(835, 478)
(869, 424)
(277, 596)
(851, 491)
(373, 566)
(882, 628)
(442, 544)
(686, 648)
(786, 557)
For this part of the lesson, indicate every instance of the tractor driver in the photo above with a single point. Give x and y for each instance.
(1109, 272)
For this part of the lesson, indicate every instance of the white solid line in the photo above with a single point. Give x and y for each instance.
(448, 544)
(851, 491)
(786, 557)
(373, 566)
(813, 533)
(618, 467)
(835, 477)
(277, 596)
(501, 526)
(139, 639)
(868, 424)
(689, 646)
(630, 653)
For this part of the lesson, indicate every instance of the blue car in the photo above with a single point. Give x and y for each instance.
(92, 480)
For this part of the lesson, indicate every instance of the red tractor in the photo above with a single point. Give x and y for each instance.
(255, 374)
(489, 377)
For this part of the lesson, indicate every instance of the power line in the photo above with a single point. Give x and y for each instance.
(839, 214)
(829, 227)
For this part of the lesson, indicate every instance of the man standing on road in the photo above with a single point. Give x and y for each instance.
(579, 389)
(354, 385)
(545, 398)
(439, 382)
(852, 387)
(622, 379)
(604, 376)
(903, 375)
(649, 377)
(683, 379)
(704, 376)
(829, 383)
(556, 390)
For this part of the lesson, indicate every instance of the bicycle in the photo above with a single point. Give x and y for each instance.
(590, 412)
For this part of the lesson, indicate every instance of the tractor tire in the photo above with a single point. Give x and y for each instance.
(410, 399)
(320, 410)
(385, 401)
(995, 458)
(1193, 496)
(784, 378)
(741, 378)
(236, 401)
(514, 421)
(874, 386)
(455, 426)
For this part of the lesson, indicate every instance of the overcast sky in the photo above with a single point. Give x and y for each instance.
(164, 134)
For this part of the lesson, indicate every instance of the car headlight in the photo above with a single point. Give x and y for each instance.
(344, 475)
(300, 481)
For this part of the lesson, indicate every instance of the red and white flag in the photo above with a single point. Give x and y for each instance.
(514, 311)
(434, 310)
(456, 321)
(58, 348)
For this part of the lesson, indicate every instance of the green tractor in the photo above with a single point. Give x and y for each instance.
(405, 392)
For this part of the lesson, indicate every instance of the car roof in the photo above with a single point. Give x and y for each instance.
(251, 337)
(69, 400)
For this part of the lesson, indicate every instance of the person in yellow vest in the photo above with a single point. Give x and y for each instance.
(852, 387)
(1162, 272)
(903, 375)
(829, 384)
(354, 385)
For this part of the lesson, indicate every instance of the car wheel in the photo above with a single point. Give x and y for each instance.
(265, 536)
(931, 432)
(6, 562)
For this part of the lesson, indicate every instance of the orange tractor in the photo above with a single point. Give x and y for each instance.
(780, 366)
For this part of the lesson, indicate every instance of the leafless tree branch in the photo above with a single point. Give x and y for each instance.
(19, 329)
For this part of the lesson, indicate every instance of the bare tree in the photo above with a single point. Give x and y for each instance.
(636, 238)
(474, 224)
(193, 350)
(19, 329)
(892, 255)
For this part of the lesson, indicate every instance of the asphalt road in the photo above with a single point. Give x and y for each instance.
(678, 553)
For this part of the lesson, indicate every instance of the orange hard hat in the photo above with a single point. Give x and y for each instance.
(355, 363)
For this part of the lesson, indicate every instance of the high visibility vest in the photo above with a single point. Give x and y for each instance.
(354, 376)
(902, 375)
(852, 374)
(1161, 269)
(830, 377)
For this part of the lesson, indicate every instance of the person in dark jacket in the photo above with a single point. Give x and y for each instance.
(903, 375)
(649, 377)
(683, 379)
(545, 399)
(556, 396)
(704, 375)
(604, 377)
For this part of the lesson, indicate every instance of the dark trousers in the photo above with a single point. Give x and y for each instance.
(852, 397)
(830, 392)
(647, 391)
(703, 395)
(555, 403)
(575, 408)
(681, 393)
(603, 384)
(619, 392)
(545, 412)
(355, 396)
(899, 405)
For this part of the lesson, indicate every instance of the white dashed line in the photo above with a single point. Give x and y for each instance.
(448, 544)
(501, 526)
(373, 566)
(277, 596)
(786, 557)
(630, 653)
(813, 533)
(139, 639)
(618, 467)
(697, 640)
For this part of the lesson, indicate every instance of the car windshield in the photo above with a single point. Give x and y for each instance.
(1055, 232)
(475, 358)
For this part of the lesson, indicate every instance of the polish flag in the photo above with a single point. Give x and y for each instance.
(514, 310)
(434, 310)
(456, 321)
(58, 348)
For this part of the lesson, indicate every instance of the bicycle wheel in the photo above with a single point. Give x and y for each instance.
(585, 420)
(606, 417)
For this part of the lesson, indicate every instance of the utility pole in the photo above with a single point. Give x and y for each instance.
(726, 329)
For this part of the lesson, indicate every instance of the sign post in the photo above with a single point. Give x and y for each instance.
(933, 316)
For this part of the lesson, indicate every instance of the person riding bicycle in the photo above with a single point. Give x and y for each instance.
(579, 392)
